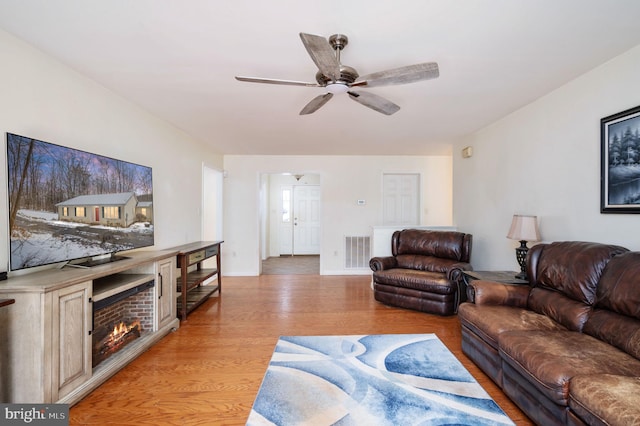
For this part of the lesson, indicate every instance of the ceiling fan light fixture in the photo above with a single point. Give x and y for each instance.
(336, 88)
(338, 78)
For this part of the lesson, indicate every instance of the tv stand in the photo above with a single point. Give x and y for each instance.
(46, 334)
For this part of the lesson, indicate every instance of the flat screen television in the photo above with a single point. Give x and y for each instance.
(68, 205)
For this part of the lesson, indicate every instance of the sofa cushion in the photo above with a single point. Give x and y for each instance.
(573, 268)
(489, 321)
(562, 309)
(619, 288)
(605, 399)
(618, 330)
(565, 277)
(432, 282)
(548, 360)
(444, 244)
(615, 319)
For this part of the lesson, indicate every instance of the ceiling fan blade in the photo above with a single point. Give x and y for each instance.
(402, 75)
(316, 103)
(375, 102)
(322, 54)
(276, 81)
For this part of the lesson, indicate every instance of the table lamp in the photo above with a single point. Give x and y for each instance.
(523, 228)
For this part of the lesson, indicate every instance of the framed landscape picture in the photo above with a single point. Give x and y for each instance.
(620, 162)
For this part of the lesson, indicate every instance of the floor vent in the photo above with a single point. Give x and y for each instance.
(357, 252)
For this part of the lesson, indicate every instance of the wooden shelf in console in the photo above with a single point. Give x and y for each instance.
(112, 284)
(192, 286)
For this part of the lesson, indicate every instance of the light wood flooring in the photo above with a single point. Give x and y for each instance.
(208, 372)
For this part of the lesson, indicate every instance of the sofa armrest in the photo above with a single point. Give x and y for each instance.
(382, 263)
(483, 292)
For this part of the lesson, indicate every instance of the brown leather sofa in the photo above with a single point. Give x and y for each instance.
(566, 347)
(424, 272)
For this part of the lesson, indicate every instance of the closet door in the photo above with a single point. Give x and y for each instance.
(401, 199)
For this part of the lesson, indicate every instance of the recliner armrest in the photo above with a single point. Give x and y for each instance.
(455, 271)
(483, 292)
(382, 263)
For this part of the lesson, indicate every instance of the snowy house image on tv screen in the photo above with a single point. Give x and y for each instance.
(115, 210)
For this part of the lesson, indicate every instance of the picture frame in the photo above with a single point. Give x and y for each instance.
(620, 162)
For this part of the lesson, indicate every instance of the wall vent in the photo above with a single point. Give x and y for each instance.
(357, 252)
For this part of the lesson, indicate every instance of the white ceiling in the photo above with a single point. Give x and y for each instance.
(178, 59)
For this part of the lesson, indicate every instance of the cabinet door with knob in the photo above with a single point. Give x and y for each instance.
(165, 288)
(71, 338)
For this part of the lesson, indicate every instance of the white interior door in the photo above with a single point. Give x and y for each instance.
(306, 219)
(401, 199)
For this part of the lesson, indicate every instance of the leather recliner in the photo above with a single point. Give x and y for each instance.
(424, 272)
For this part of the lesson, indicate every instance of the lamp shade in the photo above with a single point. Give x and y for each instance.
(524, 228)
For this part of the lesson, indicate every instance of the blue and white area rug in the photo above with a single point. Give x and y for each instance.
(394, 379)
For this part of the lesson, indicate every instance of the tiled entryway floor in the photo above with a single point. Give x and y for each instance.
(291, 265)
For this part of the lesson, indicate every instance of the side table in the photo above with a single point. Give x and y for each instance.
(506, 277)
(191, 292)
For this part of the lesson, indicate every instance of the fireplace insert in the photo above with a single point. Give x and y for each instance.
(120, 319)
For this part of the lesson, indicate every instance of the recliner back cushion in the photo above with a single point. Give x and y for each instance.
(443, 244)
(424, 263)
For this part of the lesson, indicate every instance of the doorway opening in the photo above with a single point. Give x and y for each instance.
(290, 223)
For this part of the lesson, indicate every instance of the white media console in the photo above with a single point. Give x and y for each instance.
(46, 334)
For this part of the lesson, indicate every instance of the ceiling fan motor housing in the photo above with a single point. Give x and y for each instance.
(347, 76)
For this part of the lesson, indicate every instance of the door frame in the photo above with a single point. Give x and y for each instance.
(266, 182)
(211, 225)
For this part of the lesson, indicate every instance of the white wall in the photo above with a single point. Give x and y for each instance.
(343, 180)
(544, 159)
(46, 100)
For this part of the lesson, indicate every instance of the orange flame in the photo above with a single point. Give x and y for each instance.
(120, 330)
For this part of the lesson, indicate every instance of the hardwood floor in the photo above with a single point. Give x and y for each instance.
(208, 372)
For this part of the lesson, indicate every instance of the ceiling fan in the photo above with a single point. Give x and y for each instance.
(338, 78)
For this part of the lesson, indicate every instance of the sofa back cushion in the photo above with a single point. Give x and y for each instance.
(616, 318)
(619, 288)
(573, 268)
(618, 330)
(564, 276)
(440, 244)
